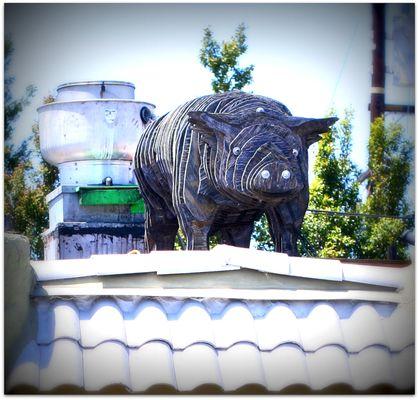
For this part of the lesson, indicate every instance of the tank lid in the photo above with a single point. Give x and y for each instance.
(87, 83)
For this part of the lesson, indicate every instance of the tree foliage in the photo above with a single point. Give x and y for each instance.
(12, 108)
(261, 235)
(222, 60)
(26, 182)
(389, 163)
(334, 188)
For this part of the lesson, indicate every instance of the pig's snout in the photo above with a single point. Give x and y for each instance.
(276, 178)
(286, 174)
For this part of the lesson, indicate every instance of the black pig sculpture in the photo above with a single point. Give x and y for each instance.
(217, 163)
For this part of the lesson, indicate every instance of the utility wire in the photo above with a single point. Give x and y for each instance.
(345, 61)
(355, 214)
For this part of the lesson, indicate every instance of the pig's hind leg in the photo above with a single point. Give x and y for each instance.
(160, 229)
(161, 224)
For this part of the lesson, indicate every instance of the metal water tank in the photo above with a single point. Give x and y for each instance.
(91, 131)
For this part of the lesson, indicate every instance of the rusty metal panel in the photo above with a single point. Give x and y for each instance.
(64, 206)
(75, 241)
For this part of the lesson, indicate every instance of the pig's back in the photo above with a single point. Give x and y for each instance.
(166, 144)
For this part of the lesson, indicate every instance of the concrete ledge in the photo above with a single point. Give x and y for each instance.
(19, 281)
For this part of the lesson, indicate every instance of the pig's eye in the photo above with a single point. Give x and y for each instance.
(236, 151)
(286, 174)
(295, 152)
(265, 174)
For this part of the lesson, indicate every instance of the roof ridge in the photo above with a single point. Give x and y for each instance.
(222, 258)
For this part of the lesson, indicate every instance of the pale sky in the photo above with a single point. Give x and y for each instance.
(307, 56)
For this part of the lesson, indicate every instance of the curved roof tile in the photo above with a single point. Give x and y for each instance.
(235, 325)
(151, 364)
(328, 366)
(102, 323)
(193, 325)
(363, 329)
(399, 328)
(26, 369)
(148, 322)
(320, 328)
(284, 366)
(61, 364)
(58, 320)
(195, 366)
(403, 367)
(241, 365)
(371, 366)
(279, 326)
(105, 365)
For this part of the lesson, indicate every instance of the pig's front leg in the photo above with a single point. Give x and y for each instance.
(195, 229)
(197, 235)
(160, 230)
(284, 224)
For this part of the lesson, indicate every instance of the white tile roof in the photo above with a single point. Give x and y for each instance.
(138, 343)
(228, 318)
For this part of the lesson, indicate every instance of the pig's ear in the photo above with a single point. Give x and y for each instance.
(309, 129)
(220, 126)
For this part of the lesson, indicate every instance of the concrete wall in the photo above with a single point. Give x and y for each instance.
(19, 318)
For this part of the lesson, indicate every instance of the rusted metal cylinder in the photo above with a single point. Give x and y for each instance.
(90, 90)
(378, 61)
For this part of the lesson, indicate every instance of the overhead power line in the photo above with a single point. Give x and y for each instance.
(355, 214)
(344, 62)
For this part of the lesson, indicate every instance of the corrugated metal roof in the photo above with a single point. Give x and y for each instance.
(137, 343)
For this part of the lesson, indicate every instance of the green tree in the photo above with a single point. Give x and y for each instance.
(25, 189)
(222, 60)
(389, 163)
(261, 235)
(12, 108)
(26, 205)
(334, 188)
(26, 181)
